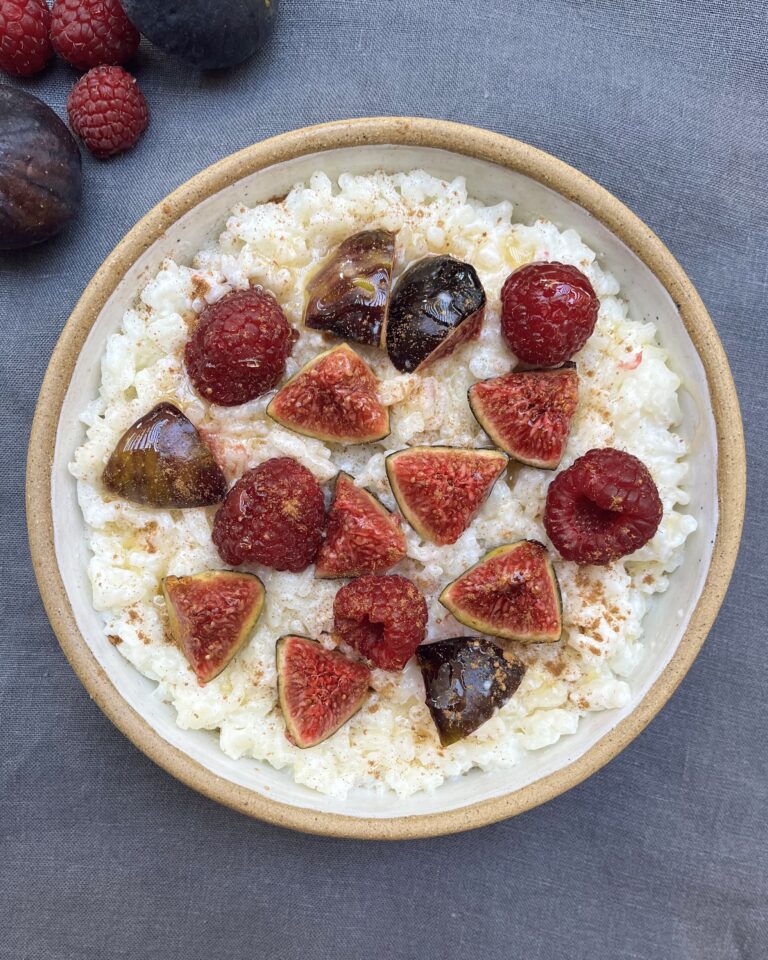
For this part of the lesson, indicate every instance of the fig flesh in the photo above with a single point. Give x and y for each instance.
(528, 414)
(440, 489)
(466, 680)
(438, 304)
(362, 537)
(333, 398)
(349, 296)
(212, 615)
(319, 689)
(511, 593)
(41, 183)
(162, 461)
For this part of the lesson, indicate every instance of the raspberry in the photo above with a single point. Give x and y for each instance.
(383, 618)
(90, 33)
(107, 110)
(274, 515)
(24, 45)
(603, 507)
(239, 348)
(548, 312)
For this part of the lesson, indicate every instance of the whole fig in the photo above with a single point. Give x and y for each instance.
(208, 35)
(41, 182)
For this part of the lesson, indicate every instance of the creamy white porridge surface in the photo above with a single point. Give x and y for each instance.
(628, 399)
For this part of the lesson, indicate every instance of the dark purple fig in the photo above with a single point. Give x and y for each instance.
(438, 304)
(211, 35)
(164, 462)
(211, 615)
(40, 178)
(349, 295)
(466, 680)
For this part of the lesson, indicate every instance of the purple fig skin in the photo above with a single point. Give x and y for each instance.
(466, 680)
(162, 461)
(438, 304)
(41, 183)
(349, 296)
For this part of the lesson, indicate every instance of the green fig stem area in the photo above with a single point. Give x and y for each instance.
(319, 690)
(349, 295)
(528, 414)
(466, 679)
(162, 461)
(511, 593)
(441, 489)
(212, 615)
(333, 398)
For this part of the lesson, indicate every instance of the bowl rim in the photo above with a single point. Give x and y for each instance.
(472, 142)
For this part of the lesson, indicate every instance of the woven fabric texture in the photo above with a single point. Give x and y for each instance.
(663, 854)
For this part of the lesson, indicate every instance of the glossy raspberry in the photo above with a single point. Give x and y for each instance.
(107, 110)
(603, 507)
(274, 515)
(91, 33)
(383, 618)
(24, 45)
(548, 312)
(239, 348)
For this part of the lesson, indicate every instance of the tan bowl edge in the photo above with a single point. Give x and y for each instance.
(471, 142)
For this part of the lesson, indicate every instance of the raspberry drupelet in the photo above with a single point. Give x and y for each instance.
(603, 507)
(107, 110)
(239, 347)
(274, 515)
(383, 618)
(92, 33)
(548, 312)
(25, 47)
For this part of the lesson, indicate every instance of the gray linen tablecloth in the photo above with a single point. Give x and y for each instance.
(661, 855)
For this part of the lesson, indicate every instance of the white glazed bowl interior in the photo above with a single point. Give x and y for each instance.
(488, 182)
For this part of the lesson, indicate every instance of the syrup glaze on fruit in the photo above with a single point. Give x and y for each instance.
(438, 304)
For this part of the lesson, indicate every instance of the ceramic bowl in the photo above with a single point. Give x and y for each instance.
(495, 168)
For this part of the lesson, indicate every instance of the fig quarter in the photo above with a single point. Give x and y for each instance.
(466, 680)
(162, 461)
(349, 295)
(438, 304)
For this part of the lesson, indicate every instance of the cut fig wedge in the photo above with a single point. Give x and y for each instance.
(163, 461)
(511, 593)
(440, 489)
(333, 398)
(212, 615)
(362, 537)
(349, 295)
(319, 689)
(466, 680)
(438, 304)
(528, 414)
